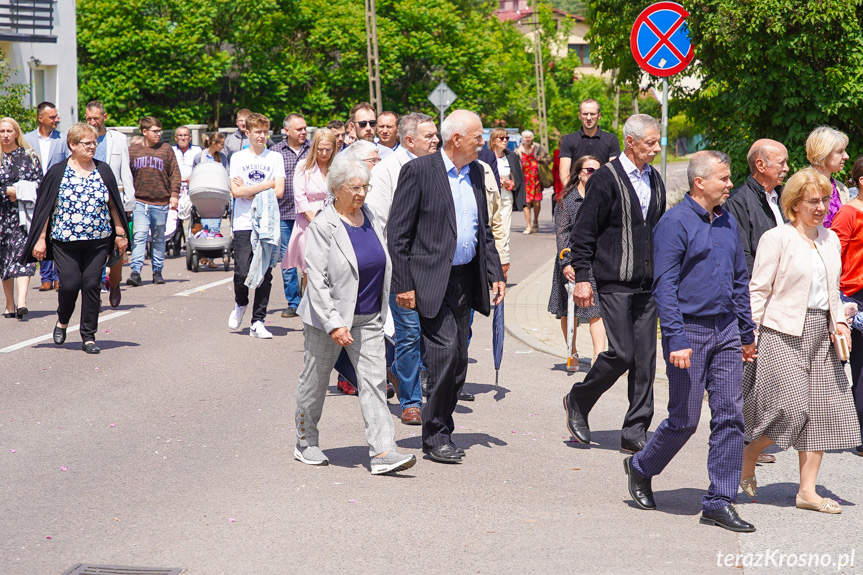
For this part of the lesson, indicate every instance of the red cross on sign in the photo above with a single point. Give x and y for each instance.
(660, 39)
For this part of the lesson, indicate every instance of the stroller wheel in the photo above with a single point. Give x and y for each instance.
(196, 265)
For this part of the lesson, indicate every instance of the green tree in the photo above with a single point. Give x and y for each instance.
(12, 97)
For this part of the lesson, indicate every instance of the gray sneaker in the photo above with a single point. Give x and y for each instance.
(392, 462)
(311, 455)
(289, 312)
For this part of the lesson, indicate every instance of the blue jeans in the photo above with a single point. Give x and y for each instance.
(48, 271)
(289, 277)
(149, 219)
(212, 224)
(407, 362)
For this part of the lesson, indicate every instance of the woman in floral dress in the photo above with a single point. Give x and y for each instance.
(532, 155)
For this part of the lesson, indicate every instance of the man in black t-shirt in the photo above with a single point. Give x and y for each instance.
(588, 141)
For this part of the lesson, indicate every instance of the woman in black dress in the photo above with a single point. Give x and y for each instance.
(564, 217)
(19, 169)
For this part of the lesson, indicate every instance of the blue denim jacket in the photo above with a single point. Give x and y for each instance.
(266, 236)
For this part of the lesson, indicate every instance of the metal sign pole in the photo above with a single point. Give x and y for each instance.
(664, 140)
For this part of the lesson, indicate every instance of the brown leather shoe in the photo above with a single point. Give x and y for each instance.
(56, 286)
(412, 416)
(46, 286)
(114, 296)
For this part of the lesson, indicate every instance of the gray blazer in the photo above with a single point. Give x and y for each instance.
(58, 151)
(333, 276)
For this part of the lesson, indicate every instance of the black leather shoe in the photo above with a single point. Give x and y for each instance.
(443, 454)
(465, 396)
(424, 382)
(639, 487)
(90, 347)
(575, 422)
(633, 448)
(727, 518)
(59, 335)
(21, 312)
(457, 449)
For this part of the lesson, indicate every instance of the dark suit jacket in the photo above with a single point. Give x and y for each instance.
(749, 206)
(422, 236)
(46, 200)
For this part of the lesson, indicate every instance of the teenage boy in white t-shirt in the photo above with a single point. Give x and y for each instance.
(253, 170)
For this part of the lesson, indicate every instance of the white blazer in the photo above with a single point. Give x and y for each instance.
(117, 156)
(782, 277)
(333, 277)
(385, 178)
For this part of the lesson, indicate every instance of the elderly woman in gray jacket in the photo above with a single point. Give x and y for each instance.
(344, 306)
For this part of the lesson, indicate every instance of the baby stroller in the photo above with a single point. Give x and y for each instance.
(210, 194)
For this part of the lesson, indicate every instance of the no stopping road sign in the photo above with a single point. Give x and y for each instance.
(660, 39)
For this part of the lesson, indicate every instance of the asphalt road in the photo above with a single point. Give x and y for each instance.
(173, 448)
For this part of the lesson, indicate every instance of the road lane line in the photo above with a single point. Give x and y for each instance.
(203, 287)
(71, 328)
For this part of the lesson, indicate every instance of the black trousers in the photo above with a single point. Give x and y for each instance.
(242, 261)
(856, 360)
(445, 339)
(630, 324)
(79, 266)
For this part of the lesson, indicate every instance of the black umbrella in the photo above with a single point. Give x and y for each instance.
(497, 329)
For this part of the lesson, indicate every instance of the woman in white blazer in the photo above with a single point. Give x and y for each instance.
(796, 393)
(344, 307)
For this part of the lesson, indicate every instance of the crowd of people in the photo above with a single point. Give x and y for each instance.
(391, 231)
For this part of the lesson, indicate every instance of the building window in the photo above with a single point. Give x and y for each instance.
(583, 53)
(43, 85)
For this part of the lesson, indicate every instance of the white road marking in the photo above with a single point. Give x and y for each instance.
(203, 287)
(71, 328)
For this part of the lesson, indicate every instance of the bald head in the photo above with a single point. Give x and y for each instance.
(768, 163)
(462, 137)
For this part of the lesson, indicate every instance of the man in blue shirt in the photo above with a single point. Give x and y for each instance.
(701, 290)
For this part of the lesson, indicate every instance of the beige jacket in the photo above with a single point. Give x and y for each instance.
(498, 217)
(782, 276)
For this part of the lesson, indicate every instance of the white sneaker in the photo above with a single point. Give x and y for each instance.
(259, 331)
(236, 317)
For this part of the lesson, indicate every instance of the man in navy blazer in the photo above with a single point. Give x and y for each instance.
(50, 145)
(444, 260)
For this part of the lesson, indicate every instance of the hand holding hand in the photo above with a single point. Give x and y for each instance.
(850, 310)
(749, 352)
(342, 336)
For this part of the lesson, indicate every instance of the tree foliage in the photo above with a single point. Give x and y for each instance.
(12, 95)
(768, 68)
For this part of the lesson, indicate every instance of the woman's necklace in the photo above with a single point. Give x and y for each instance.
(350, 219)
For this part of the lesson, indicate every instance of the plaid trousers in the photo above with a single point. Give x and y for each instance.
(717, 366)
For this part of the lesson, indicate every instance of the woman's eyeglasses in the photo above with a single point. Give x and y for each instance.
(818, 201)
(504, 138)
(357, 189)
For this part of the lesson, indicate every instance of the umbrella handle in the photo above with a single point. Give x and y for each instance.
(563, 251)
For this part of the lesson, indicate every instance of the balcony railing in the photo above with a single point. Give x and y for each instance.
(27, 21)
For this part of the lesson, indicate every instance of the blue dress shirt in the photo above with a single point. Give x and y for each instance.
(699, 270)
(466, 214)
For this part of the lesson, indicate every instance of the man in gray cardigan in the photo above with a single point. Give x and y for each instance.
(613, 236)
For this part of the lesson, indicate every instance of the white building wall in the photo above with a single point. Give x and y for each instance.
(51, 69)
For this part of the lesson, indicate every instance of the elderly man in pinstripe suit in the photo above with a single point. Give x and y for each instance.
(444, 259)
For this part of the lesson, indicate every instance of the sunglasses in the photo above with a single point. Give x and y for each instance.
(588, 170)
(505, 138)
(364, 123)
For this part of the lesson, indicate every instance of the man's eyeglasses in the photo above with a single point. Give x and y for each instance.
(588, 170)
(364, 123)
(818, 201)
(154, 130)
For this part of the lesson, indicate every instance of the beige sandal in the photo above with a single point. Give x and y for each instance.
(824, 506)
(749, 486)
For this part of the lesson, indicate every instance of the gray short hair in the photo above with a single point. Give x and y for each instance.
(410, 123)
(361, 149)
(344, 169)
(528, 134)
(457, 123)
(701, 164)
(637, 126)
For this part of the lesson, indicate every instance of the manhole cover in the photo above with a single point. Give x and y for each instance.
(89, 569)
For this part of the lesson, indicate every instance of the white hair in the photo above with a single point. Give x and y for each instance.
(409, 125)
(527, 134)
(344, 169)
(360, 149)
(457, 123)
(637, 126)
